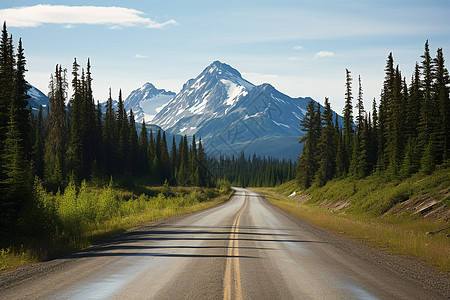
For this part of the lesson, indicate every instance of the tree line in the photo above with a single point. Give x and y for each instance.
(252, 171)
(407, 132)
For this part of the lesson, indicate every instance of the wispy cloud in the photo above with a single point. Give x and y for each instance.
(33, 16)
(321, 54)
(140, 56)
(297, 48)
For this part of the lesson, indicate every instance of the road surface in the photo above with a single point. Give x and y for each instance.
(242, 249)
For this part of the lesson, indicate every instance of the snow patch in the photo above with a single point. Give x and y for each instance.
(281, 124)
(233, 91)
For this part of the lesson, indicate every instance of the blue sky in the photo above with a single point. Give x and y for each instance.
(301, 47)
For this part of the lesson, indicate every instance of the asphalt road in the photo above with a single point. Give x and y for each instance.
(242, 249)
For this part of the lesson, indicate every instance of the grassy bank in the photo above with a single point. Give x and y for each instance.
(375, 210)
(75, 219)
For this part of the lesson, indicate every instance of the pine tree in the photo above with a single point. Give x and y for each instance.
(173, 162)
(165, 160)
(21, 100)
(56, 141)
(38, 148)
(395, 125)
(414, 104)
(143, 149)
(17, 186)
(426, 123)
(348, 123)
(360, 107)
(6, 80)
(441, 100)
(109, 136)
(384, 112)
(133, 145)
(202, 164)
(326, 147)
(308, 162)
(75, 149)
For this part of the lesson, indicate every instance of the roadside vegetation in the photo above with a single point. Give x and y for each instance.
(64, 222)
(381, 212)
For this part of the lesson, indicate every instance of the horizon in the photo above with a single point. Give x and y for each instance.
(301, 48)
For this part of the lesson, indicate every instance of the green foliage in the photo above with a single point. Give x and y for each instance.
(223, 185)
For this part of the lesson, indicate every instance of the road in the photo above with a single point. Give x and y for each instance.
(242, 249)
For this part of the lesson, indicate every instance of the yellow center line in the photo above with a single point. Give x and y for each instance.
(233, 260)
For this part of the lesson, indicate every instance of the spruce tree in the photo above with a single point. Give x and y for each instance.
(75, 148)
(143, 149)
(441, 100)
(326, 147)
(348, 123)
(56, 141)
(202, 164)
(38, 147)
(133, 145)
(6, 80)
(17, 186)
(308, 161)
(21, 100)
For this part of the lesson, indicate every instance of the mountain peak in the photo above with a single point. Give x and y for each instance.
(148, 86)
(220, 68)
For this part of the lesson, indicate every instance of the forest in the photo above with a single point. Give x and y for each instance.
(49, 161)
(407, 132)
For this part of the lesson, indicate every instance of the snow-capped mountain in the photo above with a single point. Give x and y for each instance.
(37, 99)
(147, 101)
(232, 115)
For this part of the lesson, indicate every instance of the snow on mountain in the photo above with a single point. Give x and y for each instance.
(232, 115)
(37, 99)
(147, 101)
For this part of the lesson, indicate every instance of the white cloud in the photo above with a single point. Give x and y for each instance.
(298, 47)
(140, 56)
(33, 16)
(323, 54)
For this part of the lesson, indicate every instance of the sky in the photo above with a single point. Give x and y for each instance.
(301, 47)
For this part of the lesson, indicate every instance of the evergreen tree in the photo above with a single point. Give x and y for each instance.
(442, 102)
(308, 162)
(143, 149)
(56, 141)
(38, 148)
(133, 145)
(6, 80)
(426, 123)
(109, 135)
(360, 107)
(348, 123)
(384, 112)
(75, 149)
(202, 164)
(17, 187)
(20, 99)
(326, 147)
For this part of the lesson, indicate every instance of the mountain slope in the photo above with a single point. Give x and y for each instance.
(147, 101)
(232, 115)
(37, 99)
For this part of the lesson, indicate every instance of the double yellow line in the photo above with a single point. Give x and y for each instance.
(232, 271)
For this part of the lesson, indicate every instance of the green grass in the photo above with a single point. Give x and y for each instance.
(73, 220)
(365, 216)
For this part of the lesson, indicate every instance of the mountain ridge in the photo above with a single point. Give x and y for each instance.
(232, 115)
